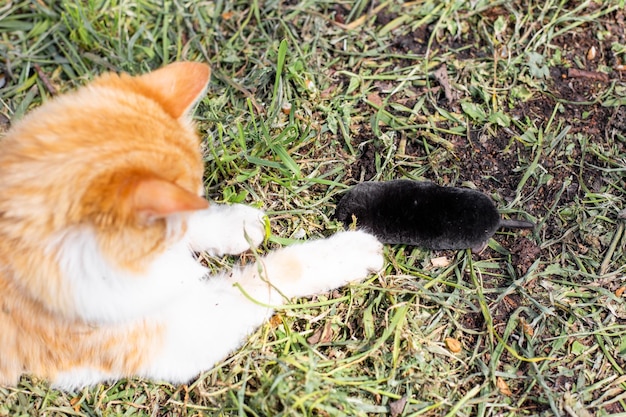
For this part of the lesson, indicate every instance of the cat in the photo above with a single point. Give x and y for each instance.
(101, 210)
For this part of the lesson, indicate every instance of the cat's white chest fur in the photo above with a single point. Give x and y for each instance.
(105, 294)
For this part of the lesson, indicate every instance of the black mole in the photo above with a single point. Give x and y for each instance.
(422, 213)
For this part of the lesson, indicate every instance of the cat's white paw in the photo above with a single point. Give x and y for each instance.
(227, 229)
(330, 263)
(357, 254)
(246, 229)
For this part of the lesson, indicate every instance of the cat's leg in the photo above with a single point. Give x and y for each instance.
(202, 329)
(225, 229)
(313, 267)
(216, 317)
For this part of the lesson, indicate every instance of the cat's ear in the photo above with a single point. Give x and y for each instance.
(154, 198)
(178, 86)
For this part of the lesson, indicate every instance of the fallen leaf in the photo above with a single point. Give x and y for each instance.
(527, 328)
(375, 99)
(503, 387)
(452, 344)
(441, 261)
(321, 335)
(441, 75)
(75, 403)
(275, 320)
(397, 407)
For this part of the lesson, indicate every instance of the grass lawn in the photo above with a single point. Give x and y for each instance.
(521, 99)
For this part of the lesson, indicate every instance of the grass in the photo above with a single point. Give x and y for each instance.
(536, 325)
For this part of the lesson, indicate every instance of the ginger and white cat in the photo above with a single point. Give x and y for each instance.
(101, 209)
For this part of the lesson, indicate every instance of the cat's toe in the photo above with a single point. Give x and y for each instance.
(227, 229)
(251, 230)
(362, 252)
(255, 227)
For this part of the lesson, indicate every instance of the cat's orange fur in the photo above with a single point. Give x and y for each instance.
(100, 204)
(62, 167)
(37, 341)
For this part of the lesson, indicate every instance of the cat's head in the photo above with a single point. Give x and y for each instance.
(118, 158)
(152, 167)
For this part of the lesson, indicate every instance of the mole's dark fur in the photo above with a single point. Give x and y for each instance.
(423, 214)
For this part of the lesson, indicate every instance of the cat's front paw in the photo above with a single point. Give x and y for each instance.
(246, 229)
(329, 263)
(227, 229)
(356, 253)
